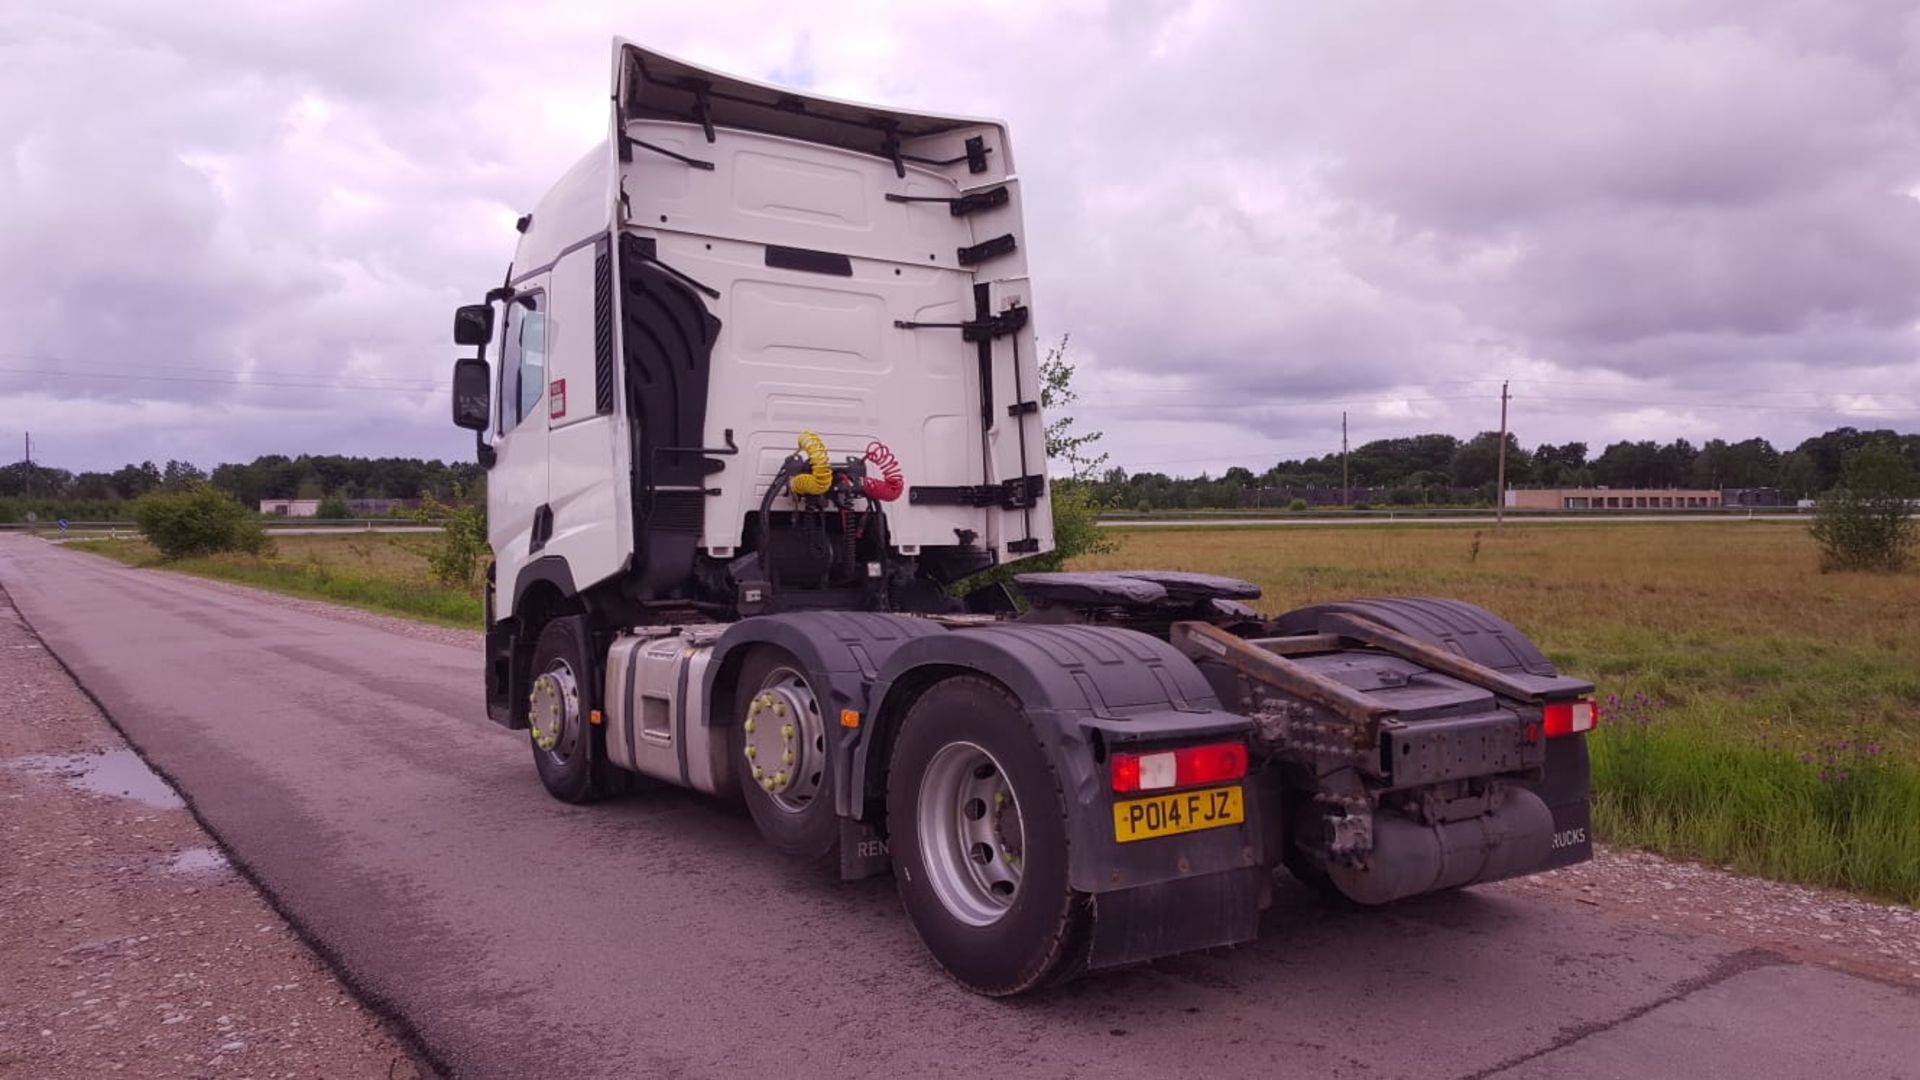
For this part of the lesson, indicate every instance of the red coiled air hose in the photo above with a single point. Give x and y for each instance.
(889, 484)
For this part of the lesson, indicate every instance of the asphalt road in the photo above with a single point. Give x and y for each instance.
(349, 768)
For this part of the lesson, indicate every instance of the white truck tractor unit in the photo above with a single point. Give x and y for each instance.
(764, 392)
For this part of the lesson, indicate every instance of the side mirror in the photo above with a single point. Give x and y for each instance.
(472, 393)
(472, 324)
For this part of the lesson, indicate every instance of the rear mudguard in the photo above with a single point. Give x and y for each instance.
(1486, 638)
(1088, 690)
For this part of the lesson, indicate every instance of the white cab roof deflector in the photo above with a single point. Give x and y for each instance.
(653, 86)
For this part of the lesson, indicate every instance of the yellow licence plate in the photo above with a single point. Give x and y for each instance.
(1184, 811)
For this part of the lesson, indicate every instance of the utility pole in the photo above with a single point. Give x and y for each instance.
(1500, 473)
(26, 479)
(1346, 485)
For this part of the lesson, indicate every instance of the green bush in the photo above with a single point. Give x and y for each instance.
(1297, 504)
(199, 520)
(333, 508)
(462, 549)
(1867, 523)
(1076, 525)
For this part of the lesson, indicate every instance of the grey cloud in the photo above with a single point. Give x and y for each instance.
(1241, 211)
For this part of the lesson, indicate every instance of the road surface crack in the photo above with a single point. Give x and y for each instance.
(1722, 969)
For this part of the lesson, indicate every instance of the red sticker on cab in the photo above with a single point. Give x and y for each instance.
(556, 399)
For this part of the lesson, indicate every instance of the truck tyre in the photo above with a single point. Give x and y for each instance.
(780, 737)
(977, 824)
(567, 747)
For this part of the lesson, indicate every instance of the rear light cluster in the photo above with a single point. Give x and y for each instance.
(1188, 766)
(1569, 718)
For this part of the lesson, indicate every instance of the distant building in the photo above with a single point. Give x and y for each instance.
(289, 507)
(1612, 499)
(1761, 497)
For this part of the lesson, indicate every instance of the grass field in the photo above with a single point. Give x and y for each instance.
(1765, 715)
(385, 572)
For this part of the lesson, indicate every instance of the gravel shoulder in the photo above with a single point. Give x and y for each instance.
(128, 944)
(1817, 926)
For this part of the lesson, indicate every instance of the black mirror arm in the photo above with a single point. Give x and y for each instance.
(481, 451)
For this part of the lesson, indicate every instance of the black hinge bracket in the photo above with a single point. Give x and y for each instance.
(732, 448)
(628, 142)
(986, 249)
(994, 326)
(1023, 408)
(961, 205)
(975, 157)
(1022, 547)
(1017, 494)
(702, 104)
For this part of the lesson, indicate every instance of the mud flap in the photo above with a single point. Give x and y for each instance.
(863, 852)
(1565, 792)
(1148, 921)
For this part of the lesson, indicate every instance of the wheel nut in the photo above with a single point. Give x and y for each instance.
(786, 731)
(748, 726)
(786, 758)
(752, 752)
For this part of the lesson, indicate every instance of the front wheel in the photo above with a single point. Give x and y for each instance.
(977, 826)
(780, 740)
(567, 748)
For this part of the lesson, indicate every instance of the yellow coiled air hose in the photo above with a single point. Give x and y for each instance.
(819, 480)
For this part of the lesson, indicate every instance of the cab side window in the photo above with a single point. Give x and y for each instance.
(523, 369)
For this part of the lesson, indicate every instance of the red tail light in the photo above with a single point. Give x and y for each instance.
(1569, 717)
(1214, 763)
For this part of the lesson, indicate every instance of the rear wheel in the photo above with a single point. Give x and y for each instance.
(566, 747)
(977, 827)
(781, 739)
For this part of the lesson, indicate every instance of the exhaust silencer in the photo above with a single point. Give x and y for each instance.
(1410, 858)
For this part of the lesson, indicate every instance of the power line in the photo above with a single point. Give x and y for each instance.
(229, 381)
(1245, 405)
(57, 363)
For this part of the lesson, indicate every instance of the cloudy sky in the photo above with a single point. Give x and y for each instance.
(233, 228)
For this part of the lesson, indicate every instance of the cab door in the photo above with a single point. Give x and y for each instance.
(519, 521)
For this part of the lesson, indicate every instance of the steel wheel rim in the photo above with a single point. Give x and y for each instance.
(553, 713)
(972, 837)
(785, 741)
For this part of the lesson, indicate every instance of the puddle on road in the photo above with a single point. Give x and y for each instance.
(119, 773)
(198, 860)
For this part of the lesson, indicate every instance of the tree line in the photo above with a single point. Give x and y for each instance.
(1441, 468)
(52, 492)
(1418, 468)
